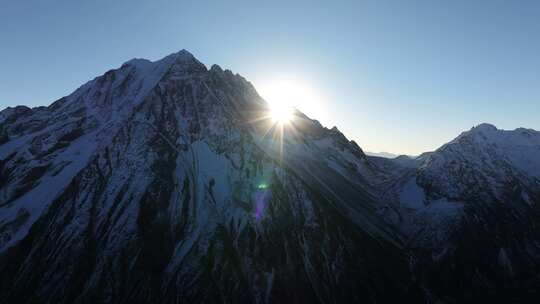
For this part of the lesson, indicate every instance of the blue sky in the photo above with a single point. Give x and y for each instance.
(396, 76)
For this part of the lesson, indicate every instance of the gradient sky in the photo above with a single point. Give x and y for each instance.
(396, 76)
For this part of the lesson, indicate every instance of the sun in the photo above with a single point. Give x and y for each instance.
(287, 101)
(280, 113)
(286, 95)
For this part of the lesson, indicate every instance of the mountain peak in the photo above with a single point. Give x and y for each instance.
(216, 68)
(182, 59)
(184, 53)
(183, 56)
(489, 133)
(485, 127)
(483, 131)
(186, 62)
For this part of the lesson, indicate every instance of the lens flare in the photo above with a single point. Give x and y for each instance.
(260, 197)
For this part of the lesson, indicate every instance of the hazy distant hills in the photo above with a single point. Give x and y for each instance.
(158, 182)
(382, 154)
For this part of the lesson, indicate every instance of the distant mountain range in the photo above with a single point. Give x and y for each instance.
(381, 154)
(161, 182)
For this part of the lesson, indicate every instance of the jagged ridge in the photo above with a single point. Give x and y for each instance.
(151, 183)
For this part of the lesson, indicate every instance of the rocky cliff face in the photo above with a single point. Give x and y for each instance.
(159, 182)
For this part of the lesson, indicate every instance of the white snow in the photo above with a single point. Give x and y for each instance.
(520, 147)
(425, 221)
(38, 199)
(412, 195)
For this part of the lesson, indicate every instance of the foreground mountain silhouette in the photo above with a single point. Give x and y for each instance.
(161, 182)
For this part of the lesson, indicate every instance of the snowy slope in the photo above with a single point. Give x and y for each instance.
(480, 165)
(486, 158)
(470, 211)
(45, 147)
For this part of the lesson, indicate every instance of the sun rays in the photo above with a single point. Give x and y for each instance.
(279, 120)
(281, 114)
(277, 125)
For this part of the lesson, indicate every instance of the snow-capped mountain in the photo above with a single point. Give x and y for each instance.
(165, 182)
(159, 182)
(471, 210)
